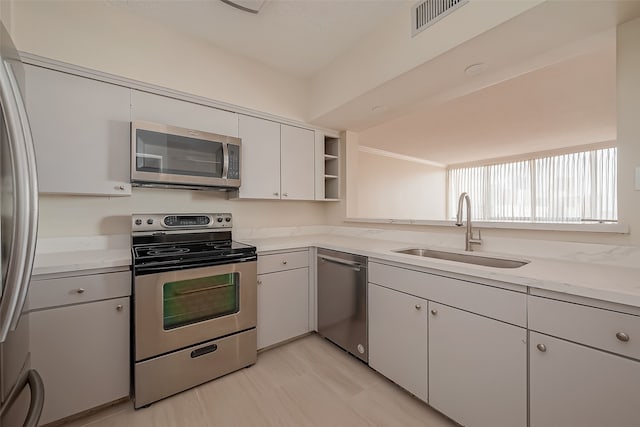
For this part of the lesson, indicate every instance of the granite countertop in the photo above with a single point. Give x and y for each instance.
(73, 254)
(612, 283)
(603, 282)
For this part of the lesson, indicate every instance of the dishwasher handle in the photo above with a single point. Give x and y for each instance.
(356, 266)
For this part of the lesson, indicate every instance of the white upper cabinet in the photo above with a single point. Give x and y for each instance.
(297, 162)
(80, 131)
(173, 112)
(278, 161)
(260, 158)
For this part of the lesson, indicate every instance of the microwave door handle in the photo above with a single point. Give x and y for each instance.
(25, 209)
(32, 379)
(225, 155)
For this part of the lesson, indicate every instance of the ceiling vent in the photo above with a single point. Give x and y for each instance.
(428, 12)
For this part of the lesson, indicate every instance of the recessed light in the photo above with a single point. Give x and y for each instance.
(475, 69)
(378, 108)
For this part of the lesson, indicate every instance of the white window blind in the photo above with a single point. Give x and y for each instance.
(565, 188)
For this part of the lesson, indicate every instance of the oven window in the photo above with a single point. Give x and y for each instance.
(180, 155)
(195, 300)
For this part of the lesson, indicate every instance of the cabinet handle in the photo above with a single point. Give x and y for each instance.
(418, 307)
(80, 290)
(259, 282)
(285, 194)
(622, 336)
(119, 307)
(434, 312)
(541, 347)
(121, 187)
(284, 262)
(276, 194)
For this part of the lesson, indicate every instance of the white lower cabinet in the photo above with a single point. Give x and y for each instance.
(477, 368)
(283, 297)
(398, 338)
(79, 340)
(574, 385)
(82, 353)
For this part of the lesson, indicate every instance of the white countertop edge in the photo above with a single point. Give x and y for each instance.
(383, 251)
(588, 227)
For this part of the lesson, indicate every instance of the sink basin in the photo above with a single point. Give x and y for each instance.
(466, 258)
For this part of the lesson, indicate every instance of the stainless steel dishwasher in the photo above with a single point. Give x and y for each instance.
(342, 301)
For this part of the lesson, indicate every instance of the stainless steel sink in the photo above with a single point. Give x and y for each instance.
(466, 258)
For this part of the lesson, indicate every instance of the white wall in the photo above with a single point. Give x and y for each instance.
(102, 37)
(628, 130)
(400, 189)
(363, 67)
(628, 105)
(87, 216)
(5, 14)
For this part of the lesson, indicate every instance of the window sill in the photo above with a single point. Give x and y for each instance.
(616, 228)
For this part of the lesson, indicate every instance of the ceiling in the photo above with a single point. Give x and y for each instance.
(549, 83)
(569, 103)
(298, 37)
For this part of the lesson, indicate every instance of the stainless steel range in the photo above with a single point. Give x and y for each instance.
(194, 304)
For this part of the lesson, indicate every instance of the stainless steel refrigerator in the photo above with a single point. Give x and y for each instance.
(21, 388)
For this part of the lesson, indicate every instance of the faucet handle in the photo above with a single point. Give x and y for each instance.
(475, 241)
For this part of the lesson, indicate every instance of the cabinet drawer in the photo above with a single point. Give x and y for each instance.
(78, 289)
(501, 304)
(282, 261)
(594, 327)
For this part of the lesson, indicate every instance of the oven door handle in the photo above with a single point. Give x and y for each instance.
(208, 288)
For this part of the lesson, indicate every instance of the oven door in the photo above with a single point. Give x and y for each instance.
(176, 309)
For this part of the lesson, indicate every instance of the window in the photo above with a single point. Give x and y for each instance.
(565, 188)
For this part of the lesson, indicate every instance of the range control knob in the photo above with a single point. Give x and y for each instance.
(138, 221)
(219, 219)
(228, 219)
(150, 221)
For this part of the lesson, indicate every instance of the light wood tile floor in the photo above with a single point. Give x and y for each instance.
(308, 382)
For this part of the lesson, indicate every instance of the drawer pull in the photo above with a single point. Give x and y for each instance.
(204, 350)
(434, 312)
(119, 307)
(80, 290)
(622, 336)
(542, 347)
(259, 282)
(284, 262)
(418, 307)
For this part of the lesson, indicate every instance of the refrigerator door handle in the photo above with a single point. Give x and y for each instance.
(25, 211)
(32, 379)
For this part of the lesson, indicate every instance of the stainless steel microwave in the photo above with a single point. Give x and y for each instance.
(170, 156)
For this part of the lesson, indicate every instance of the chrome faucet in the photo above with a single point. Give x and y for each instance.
(468, 239)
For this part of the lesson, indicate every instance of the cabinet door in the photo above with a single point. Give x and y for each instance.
(80, 131)
(283, 306)
(477, 368)
(574, 385)
(297, 173)
(398, 338)
(82, 353)
(169, 111)
(260, 158)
